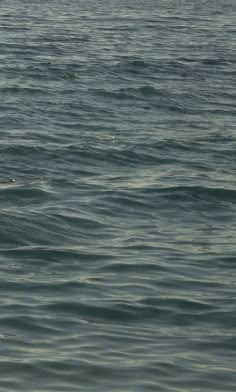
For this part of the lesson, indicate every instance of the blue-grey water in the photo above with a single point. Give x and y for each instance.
(117, 196)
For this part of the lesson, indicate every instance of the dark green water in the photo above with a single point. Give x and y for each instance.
(117, 196)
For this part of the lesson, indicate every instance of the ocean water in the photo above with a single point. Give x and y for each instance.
(117, 196)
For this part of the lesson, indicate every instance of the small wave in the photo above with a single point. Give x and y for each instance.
(130, 93)
(22, 195)
(198, 192)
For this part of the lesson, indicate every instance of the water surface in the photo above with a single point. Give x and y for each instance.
(117, 196)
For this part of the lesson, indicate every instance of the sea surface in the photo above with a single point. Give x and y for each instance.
(117, 196)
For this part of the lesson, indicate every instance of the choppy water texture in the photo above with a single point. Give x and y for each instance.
(117, 196)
